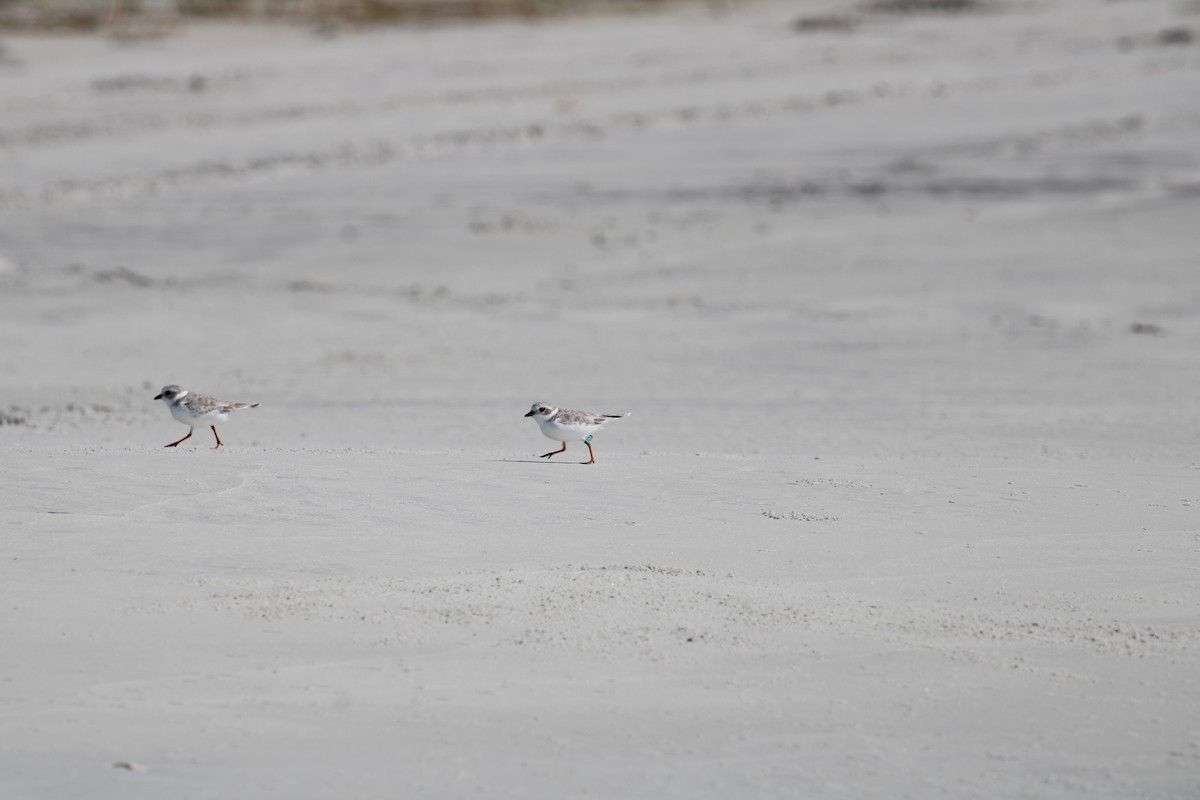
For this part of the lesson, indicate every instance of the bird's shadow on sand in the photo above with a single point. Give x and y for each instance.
(539, 461)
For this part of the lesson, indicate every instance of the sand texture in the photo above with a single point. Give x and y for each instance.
(905, 307)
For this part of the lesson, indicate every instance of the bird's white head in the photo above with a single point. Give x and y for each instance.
(170, 394)
(542, 411)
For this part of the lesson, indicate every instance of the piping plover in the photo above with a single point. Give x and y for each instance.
(565, 426)
(197, 409)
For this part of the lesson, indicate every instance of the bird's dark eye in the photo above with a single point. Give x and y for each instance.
(541, 410)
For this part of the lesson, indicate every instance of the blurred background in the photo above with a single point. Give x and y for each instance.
(895, 227)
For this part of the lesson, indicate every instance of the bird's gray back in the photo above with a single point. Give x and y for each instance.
(569, 417)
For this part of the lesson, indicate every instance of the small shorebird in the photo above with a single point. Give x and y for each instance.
(197, 409)
(565, 426)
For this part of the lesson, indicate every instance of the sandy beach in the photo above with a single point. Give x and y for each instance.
(904, 306)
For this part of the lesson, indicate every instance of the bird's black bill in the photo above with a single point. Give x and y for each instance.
(158, 396)
(530, 414)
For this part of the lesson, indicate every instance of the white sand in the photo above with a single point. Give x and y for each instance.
(907, 506)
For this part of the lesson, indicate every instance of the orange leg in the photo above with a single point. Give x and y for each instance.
(591, 455)
(214, 427)
(173, 444)
(554, 452)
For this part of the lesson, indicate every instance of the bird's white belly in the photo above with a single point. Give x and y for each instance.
(568, 433)
(187, 417)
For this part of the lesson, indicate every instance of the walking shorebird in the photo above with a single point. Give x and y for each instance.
(197, 409)
(564, 426)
